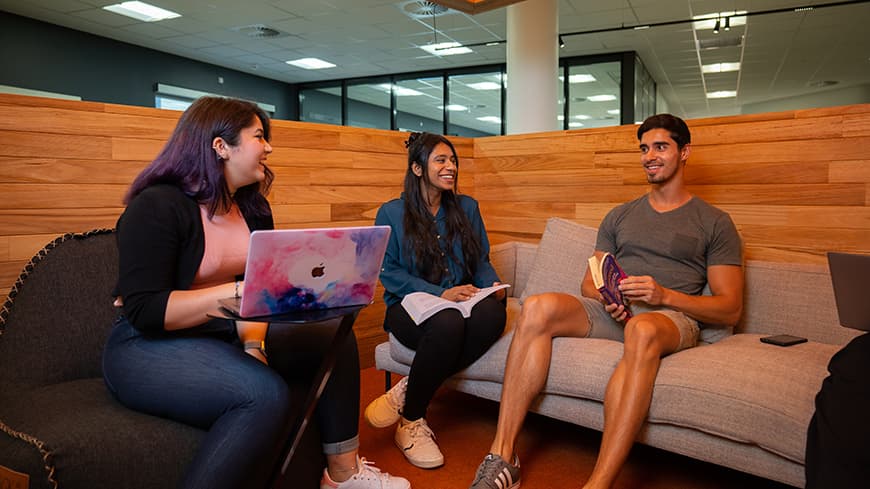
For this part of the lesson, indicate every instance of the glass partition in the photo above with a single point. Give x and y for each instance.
(475, 104)
(419, 104)
(321, 104)
(368, 104)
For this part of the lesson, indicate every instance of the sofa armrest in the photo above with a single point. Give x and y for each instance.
(513, 262)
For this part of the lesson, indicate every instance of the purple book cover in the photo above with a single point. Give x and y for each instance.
(612, 274)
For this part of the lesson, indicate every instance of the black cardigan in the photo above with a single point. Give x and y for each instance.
(161, 243)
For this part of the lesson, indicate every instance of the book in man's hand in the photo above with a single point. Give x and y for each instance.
(422, 305)
(606, 275)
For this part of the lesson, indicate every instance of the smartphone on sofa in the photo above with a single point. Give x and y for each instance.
(783, 339)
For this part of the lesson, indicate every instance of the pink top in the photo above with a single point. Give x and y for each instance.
(226, 248)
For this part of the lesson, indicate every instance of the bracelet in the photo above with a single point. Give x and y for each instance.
(256, 345)
(236, 292)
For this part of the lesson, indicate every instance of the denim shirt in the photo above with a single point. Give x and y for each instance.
(398, 274)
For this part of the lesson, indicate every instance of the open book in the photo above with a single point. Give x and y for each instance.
(606, 275)
(422, 305)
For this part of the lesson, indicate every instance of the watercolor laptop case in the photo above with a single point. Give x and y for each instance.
(291, 270)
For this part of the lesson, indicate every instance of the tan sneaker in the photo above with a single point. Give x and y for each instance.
(387, 409)
(417, 442)
(367, 477)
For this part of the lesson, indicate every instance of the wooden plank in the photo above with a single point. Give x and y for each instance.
(4, 248)
(35, 145)
(807, 239)
(780, 255)
(523, 225)
(298, 137)
(60, 196)
(770, 130)
(785, 194)
(849, 171)
(572, 193)
(328, 194)
(856, 125)
(758, 173)
(837, 149)
(561, 177)
(135, 148)
(840, 109)
(31, 101)
(825, 217)
(56, 170)
(291, 215)
(83, 123)
(592, 213)
(17, 220)
(369, 177)
(355, 211)
(525, 209)
(550, 161)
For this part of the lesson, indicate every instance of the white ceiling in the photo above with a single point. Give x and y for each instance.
(783, 55)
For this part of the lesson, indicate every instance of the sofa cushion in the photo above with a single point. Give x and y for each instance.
(95, 441)
(560, 260)
(744, 390)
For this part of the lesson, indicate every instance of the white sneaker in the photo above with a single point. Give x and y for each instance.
(417, 442)
(387, 409)
(368, 477)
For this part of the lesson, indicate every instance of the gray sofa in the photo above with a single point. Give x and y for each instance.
(59, 425)
(733, 401)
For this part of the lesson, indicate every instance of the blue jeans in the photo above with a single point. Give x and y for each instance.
(208, 381)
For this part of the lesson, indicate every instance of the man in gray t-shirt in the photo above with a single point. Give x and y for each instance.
(670, 244)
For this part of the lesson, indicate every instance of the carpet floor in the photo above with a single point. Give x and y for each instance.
(553, 454)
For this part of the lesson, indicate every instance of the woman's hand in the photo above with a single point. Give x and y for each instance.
(499, 294)
(459, 293)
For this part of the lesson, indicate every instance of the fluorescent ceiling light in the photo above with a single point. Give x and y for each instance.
(722, 94)
(613, 111)
(446, 48)
(485, 86)
(454, 107)
(601, 98)
(720, 67)
(582, 117)
(581, 78)
(708, 21)
(311, 63)
(142, 11)
(575, 124)
(490, 118)
(400, 91)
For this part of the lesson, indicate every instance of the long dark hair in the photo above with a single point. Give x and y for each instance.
(420, 229)
(189, 162)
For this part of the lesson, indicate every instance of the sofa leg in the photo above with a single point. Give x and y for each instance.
(388, 380)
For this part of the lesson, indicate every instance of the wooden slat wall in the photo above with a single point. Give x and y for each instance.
(797, 183)
(65, 165)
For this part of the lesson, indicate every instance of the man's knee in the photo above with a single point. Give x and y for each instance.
(536, 315)
(647, 338)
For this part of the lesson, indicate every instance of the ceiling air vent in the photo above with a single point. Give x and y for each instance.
(419, 9)
(259, 31)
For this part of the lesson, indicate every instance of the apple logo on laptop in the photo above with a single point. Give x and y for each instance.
(318, 271)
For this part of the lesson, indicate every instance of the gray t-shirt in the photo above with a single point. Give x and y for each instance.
(674, 247)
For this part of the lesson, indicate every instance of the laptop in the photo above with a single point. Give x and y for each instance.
(304, 270)
(849, 272)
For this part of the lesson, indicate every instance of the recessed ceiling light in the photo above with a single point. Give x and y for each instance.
(601, 98)
(142, 11)
(445, 48)
(490, 118)
(581, 78)
(485, 86)
(720, 67)
(575, 124)
(613, 111)
(311, 63)
(582, 117)
(454, 107)
(722, 94)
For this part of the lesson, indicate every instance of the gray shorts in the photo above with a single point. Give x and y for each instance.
(602, 325)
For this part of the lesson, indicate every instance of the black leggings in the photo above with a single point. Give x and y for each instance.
(445, 344)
